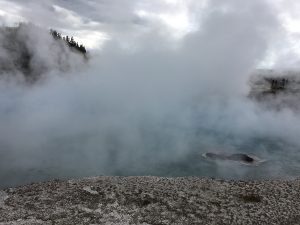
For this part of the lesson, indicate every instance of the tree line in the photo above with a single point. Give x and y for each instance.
(70, 41)
(18, 54)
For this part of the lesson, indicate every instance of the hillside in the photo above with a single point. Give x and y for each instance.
(29, 52)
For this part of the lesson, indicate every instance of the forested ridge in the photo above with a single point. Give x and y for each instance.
(29, 52)
(69, 41)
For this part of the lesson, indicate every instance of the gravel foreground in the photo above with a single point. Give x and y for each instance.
(152, 200)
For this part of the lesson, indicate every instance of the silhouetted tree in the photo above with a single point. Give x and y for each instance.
(69, 41)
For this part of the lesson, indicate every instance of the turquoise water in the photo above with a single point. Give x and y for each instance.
(161, 156)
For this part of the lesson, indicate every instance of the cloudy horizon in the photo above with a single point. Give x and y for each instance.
(96, 22)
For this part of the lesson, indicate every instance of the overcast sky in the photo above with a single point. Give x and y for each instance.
(96, 21)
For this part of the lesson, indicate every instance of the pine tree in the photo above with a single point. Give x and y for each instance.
(69, 41)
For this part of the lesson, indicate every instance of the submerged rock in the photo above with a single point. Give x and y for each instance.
(239, 157)
(242, 158)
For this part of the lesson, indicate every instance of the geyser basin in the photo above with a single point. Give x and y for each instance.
(71, 158)
(147, 113)
(85, 135)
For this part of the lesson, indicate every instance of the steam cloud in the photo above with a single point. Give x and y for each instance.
(152, 108)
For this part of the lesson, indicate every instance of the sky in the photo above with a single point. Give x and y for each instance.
(166, 79)
(93, 22)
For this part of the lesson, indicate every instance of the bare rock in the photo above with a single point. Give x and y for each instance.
(152, 200)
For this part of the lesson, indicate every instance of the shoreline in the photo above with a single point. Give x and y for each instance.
(152, 200)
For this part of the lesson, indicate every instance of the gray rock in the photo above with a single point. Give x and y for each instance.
(152, 200)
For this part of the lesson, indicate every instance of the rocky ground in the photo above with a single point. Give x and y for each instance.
(152, 200)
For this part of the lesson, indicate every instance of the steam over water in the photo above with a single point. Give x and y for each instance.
(64, 129)
(150, 104)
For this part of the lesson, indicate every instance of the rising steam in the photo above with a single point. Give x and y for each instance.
(150, 109)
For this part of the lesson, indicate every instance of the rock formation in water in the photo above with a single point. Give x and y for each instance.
(238, 157)
(276, 90)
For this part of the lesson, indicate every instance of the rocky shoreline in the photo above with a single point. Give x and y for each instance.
(152, 200)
